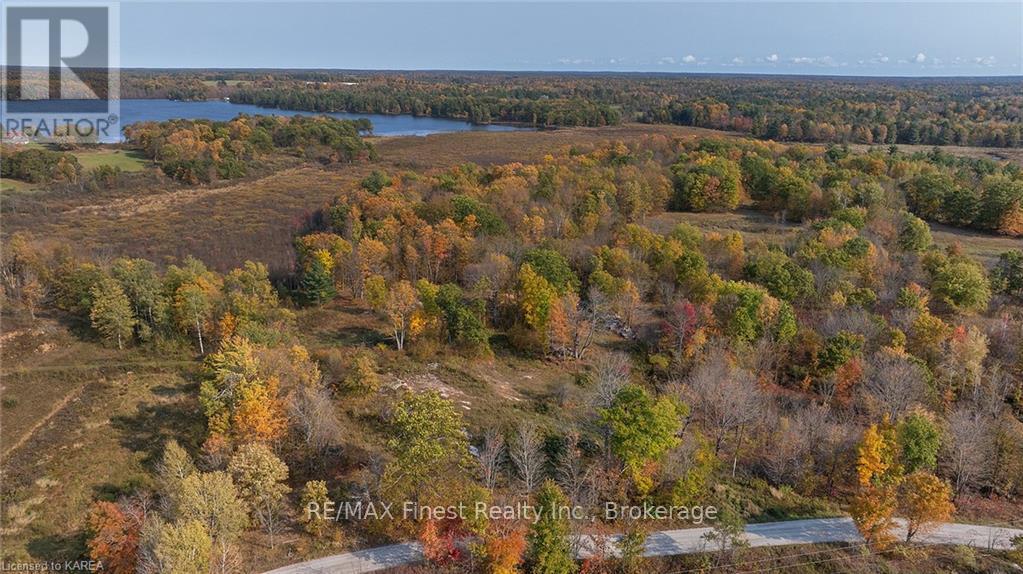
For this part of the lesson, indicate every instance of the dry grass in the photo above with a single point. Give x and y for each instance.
(983, 246)
(80, 422)
(752, 225)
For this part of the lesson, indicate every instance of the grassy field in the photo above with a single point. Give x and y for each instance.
(81, 421)
(127, 160)
(16, 186)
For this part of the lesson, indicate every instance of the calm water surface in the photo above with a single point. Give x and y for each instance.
(160, 110)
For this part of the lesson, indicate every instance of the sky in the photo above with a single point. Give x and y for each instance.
(825, 37)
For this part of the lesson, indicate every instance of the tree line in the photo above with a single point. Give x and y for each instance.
(201, 151)
(824, 110)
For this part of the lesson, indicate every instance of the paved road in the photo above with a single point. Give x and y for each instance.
(685, 541)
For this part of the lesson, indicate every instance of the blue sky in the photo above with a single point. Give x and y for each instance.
(829, 37)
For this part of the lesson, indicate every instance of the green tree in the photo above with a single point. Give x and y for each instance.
(553, 267)
(914, 233)
(729, 531)
(919, 439)
(959, 206)
(747, 312)
(312, 500)
(260, 477)
(925, 194)
(536, 298)
(211, 499)
(183, 548)
(174, 467)
(999, 196)
(193, 291)
(710, 183)
(226, 375)
(375, 291)
(839, 350)
(141, 283)
(362, 377)
(462, 320)
(643, 429)
(1007, 275)
(316, 284)
(111, 312)
(962, 284)
(549, 550)
(375, 182)
(427, 442)
(781, 276)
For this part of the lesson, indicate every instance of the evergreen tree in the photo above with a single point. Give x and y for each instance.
(317, 283)
(549, 549)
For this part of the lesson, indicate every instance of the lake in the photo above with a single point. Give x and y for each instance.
(383, 125)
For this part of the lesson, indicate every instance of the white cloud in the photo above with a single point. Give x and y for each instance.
(920, 58)
(666, 60)
(689, 59)
(988, 61)
(811, 61)
(772, 58)
(737, 60)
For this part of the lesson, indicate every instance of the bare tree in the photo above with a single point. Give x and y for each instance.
(572, 473)
(726, 398)
(967, 449)
(611, 371)
(491, 457)
(787, 458)
(527, 456)
(582, 319)
(314, 418)
(835, 444)
(894, 383)
(225, 558)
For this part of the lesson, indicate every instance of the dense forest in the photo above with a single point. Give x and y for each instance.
(852, 365)
(984, 112)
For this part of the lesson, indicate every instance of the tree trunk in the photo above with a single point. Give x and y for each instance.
(738, 447)
(198, 331)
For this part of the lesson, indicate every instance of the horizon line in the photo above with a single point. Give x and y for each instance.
(788, 74)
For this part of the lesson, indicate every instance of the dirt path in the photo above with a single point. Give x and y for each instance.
(131, 206)
(41, 422)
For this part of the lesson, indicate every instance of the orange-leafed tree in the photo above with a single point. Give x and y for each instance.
(259, 415)
(878, 473)
(924, 501)
(438, 539)
(504, 551)
(114, 535)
